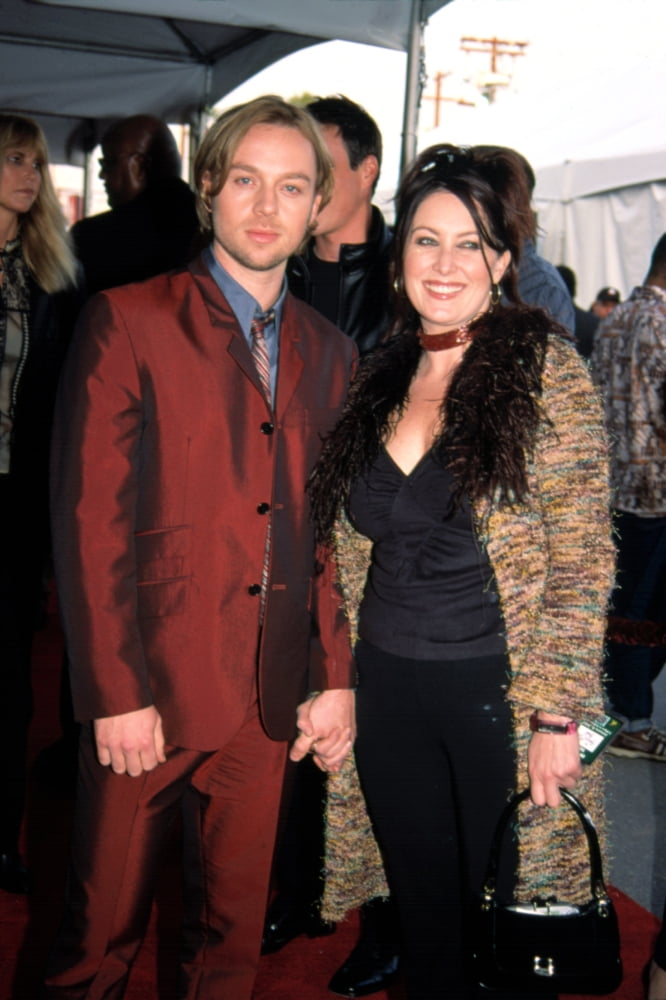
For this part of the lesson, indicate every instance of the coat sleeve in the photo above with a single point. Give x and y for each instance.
(556, 573)
(331, 659)
(332, 662)
(94, 472)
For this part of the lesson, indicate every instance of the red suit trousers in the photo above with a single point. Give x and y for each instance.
(230, 802)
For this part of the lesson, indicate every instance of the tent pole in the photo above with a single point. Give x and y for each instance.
(87, 184)
(414, 85)
(198, 121)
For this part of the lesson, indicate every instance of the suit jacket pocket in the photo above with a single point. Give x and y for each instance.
(163, 577)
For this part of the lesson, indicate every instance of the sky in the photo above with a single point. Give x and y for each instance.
(584, 59)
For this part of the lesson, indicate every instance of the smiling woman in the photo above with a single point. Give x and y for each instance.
(449, 273)
(459, 497)
(36, 266)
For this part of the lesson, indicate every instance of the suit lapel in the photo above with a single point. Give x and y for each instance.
(223, 320)
(290, 364)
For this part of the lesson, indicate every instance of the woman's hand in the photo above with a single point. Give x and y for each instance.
(327, 728)
(553, 761)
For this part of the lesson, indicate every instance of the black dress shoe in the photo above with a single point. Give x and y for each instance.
(374, 962)
(14, 875)
(367, 970)
(286, 921)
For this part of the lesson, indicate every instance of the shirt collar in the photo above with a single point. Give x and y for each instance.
(243, 305)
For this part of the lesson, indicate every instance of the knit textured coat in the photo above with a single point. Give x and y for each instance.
(553, 561)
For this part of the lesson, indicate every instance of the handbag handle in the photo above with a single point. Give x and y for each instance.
(597, 884)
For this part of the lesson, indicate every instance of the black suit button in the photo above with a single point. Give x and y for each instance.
(263, 508)
(266, 428)
(254, 589)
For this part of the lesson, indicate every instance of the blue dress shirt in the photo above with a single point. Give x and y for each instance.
(245, 307)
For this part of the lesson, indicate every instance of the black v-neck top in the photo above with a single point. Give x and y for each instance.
(430, 592)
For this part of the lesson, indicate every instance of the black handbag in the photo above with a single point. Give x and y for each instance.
(546, 946)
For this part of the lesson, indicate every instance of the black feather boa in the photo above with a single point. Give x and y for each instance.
(490, 415)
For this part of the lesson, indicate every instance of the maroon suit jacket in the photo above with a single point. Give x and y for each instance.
(165, 452)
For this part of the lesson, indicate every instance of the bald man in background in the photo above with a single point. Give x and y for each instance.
(152, 221)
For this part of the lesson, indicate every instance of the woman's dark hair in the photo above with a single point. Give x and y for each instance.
(492, 410)
(476, 176)
(491, 414)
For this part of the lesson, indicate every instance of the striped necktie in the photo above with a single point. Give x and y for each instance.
(260, 355)
(260, 351)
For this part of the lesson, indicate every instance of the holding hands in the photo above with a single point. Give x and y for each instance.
(327, 728)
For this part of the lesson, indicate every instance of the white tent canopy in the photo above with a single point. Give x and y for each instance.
(76, 65)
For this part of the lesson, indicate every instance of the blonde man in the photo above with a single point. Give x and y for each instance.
(186, 566)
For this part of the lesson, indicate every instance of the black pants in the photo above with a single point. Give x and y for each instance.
(22, 563)
(300, 841)
(639, 594)
(659, 954)
(436, 765)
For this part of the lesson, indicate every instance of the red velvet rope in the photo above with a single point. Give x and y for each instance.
(633, 633)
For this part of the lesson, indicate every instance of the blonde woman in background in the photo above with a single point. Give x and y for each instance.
(37, 307)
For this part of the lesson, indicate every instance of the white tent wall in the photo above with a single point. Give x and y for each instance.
(606, 238)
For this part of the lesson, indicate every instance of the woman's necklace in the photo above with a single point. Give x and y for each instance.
(444, 341)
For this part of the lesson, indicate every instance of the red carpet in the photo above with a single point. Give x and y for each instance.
(300, 971)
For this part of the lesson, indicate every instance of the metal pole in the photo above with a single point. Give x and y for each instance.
(198, 121)
(413, 86)
(86, 183)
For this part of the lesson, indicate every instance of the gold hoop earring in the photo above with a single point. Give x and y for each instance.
(495, 293)
(206, 203)
(396, 285)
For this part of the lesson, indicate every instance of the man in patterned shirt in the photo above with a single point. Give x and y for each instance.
(629, 366)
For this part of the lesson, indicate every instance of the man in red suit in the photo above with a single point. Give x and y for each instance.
(190, 414)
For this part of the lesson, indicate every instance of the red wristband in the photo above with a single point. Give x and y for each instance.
(537, 725)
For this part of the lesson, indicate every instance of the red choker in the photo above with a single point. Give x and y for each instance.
(444, 341)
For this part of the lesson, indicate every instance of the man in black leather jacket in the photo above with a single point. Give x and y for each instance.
(343, 274)
(344, 270)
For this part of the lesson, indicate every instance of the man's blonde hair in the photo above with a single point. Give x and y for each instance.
(218, 147)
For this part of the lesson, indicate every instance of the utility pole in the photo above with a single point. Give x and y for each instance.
(494, 47)
(439, 98)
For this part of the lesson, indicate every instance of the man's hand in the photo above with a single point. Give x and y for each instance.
(327, 728)
(131, 743)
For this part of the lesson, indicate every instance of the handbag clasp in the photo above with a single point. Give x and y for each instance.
(543, 966)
